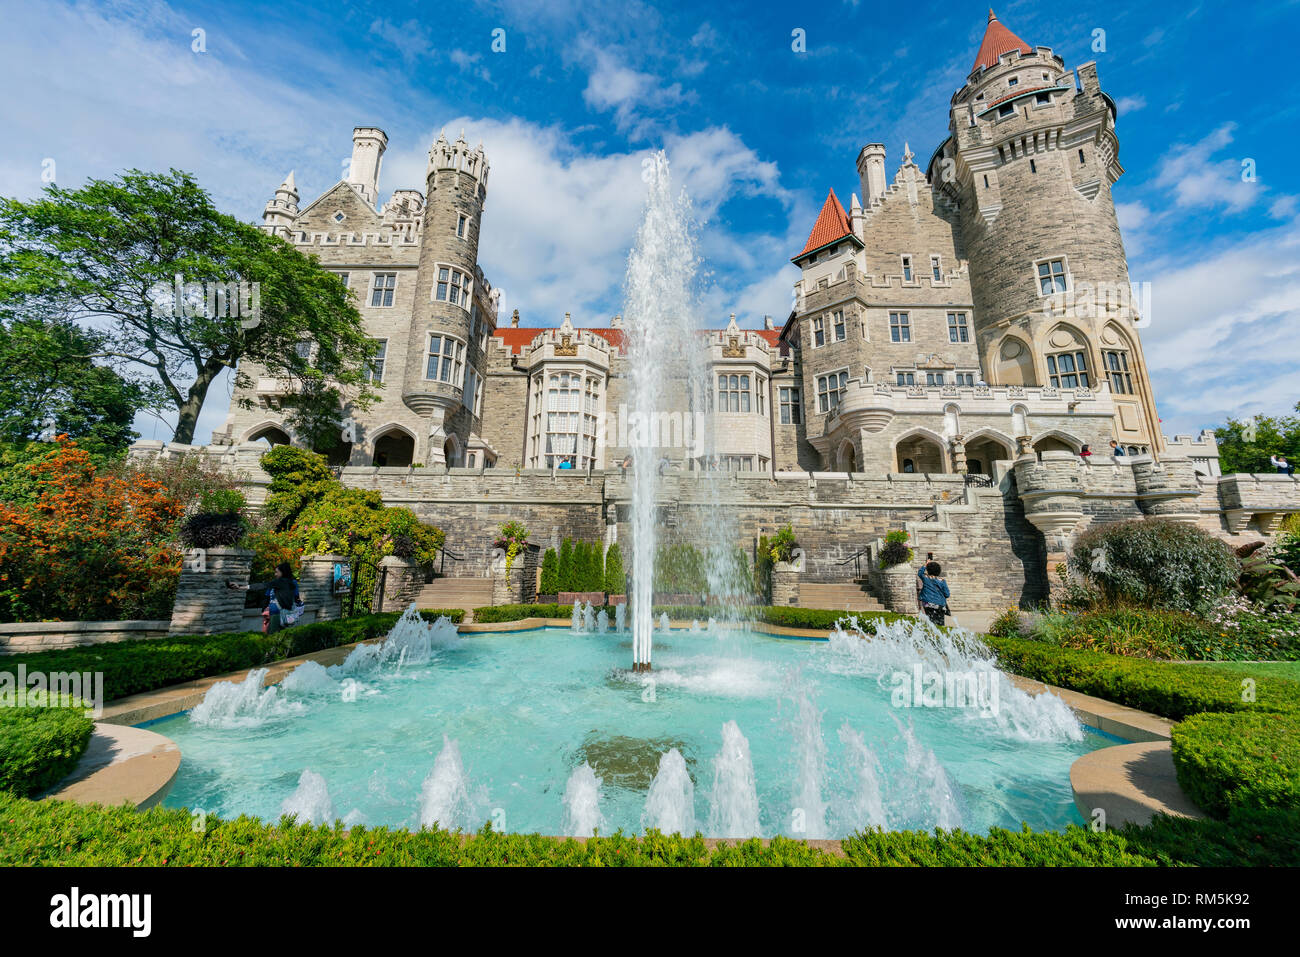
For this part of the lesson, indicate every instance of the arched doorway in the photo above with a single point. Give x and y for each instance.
(848, 458)
(1055, 442)
(272, 435)
(922, 452)
(451, 452)
(983, 449)
(395, 449)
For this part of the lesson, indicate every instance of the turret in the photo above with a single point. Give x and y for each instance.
(871, 172)
(368, 145)
(1030, 163)
(442, 345)
(281, 211)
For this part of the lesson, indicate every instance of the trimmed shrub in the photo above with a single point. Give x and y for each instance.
(615, 581)
(496, 613)
(145, 664)
(121, 836)
(566, 581)
(1166, 688)
(457, 615)
(213, 530)
(550, 583)
(596, 574)
(1230, 761)
(1155, 562)
(40, 746)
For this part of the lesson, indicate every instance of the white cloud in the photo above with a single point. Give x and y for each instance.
(1198, 180)
(1223, 337)
(1130, 104)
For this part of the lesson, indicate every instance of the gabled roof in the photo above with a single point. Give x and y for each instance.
(997, 41)
(517, 338)
(832, 225)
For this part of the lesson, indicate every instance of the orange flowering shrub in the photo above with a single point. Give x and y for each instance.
(90, 545)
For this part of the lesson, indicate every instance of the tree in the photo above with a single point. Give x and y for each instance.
(581, 565)
(565, 576)
(550, 572)
(185, 291)
(597, 580)
(50, 386)
(1247, 446)
(614, 581)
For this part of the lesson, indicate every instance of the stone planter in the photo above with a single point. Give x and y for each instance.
(616, 599)
(204, 604)
(402, 584)
(785, 583)
(518, 586)
(896, 586)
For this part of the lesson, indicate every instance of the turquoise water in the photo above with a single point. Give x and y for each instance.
(508, 717)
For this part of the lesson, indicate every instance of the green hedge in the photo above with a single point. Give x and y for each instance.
(130, 667)
(1169, 689)
(1230, 761)
(791, 617)
(39, 746)
(65, 834)
(457, 615)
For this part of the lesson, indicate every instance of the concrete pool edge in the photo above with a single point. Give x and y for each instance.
(1129, 782)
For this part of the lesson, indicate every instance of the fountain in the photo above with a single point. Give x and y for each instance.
(659, 321)
(582, 815)
(620, 614)
(445, 799)
(310, 803)
(670, 803)
(733, 809)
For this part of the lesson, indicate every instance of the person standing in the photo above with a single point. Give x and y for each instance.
(280, 597)
(934, 593)
(1280, 463)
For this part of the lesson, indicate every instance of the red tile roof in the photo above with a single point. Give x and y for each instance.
(997, 41)
(517, 338)
(832, 224)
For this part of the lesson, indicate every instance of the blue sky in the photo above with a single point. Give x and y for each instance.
(755, 132)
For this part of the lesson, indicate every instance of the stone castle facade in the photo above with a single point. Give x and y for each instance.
(958, 334)
(954, 316)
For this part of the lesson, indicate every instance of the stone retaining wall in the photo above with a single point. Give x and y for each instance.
(26, 637)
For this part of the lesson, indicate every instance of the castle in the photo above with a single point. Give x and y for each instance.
(950, 313)
(958, 334)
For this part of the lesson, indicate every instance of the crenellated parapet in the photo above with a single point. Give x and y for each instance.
(1051, 488)
(1167, 488)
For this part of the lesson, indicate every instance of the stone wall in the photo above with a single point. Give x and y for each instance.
(27, 637)
(205, 605)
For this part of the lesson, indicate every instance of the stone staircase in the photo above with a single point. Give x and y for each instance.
(841, 596)
(467, 593)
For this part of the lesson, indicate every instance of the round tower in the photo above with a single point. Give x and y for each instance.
(443, 346)
(280, 212)
(1030, 161)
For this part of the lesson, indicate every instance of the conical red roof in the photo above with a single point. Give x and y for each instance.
(997, 41)
(832, 224)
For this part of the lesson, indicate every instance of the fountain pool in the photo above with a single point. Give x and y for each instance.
(548, 731)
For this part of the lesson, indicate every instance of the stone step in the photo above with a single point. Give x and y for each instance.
(838, 595)
(466, 593)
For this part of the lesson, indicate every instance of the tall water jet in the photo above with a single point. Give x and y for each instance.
(659, 324)
(582, 814)
(670, 803)
(733, 810)
(808, 807)
(865, 806)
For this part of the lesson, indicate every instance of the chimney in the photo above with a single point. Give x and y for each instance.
(368, 145)
(871, 172)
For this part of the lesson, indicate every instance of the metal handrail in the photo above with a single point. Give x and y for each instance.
(856, 559)
(443, 553)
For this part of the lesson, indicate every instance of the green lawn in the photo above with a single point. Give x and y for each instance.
(1290, 670)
